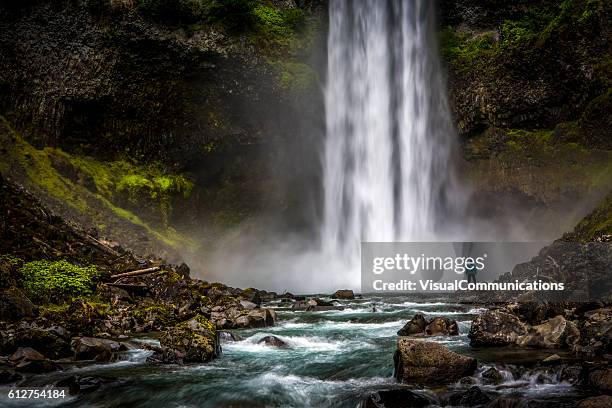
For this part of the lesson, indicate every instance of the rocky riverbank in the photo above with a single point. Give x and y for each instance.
(69, 298)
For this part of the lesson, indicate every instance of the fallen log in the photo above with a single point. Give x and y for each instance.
(101, 246)
(136, 273)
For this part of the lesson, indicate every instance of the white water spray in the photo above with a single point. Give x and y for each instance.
(387, 162)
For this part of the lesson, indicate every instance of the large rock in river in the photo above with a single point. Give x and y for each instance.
(344, 294)
(442, 326)
(496, 328)
(421, 362)
(193, 341)
(416, 325)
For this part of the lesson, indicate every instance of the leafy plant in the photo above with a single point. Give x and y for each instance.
(55, 281)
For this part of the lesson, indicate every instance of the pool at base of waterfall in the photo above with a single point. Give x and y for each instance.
(332, 358)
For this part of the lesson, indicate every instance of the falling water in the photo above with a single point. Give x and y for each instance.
(387, 162)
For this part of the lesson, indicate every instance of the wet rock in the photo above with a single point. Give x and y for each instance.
(251, 295)
(416, 325)
(273, 341)
(492, 376)
(14, 305)
(506, 402)
(420, 362)
(442, 326)
(467, 381)
(550, 334)
(603, 401)
(601, 379)
(192, 341)
(229, 336)
(248, 305)
(26, 354)
(52, 341)
(553, 359)
(92, 348)
(319, 302)
(473, 397)
(183, 270)
(71, 383)
(9, 377)
(28, 360)
(345, 294)
(398, 398)
(496, 328)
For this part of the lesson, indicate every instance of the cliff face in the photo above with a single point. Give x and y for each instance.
(213, 93)
(530, 90)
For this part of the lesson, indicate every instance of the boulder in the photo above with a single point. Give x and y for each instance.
(14, 305)
(601, 379)
(442, 326)
(192, 341)
(29, 360)
(93, 348)
(492, 376)
(52, 341)
(319, 302)
(251, 295)
(421, 362)
(248, 305)
(496, 328)
(26, 354)
(345, 294)
(416, 325)
(602, 401)
(553, 359)
(550, 334)
(229, 336)
(398, 398)
(273, 341)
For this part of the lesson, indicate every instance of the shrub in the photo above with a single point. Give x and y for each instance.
(47, 281)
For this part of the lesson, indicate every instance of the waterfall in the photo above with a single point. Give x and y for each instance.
(387, 167)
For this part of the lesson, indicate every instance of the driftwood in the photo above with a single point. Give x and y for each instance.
(101, 246)
(136, 273)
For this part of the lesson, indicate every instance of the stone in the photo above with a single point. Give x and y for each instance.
(26, 354)
(550, 334)
(442, 326)
(273, 341)
(553, 359)
(14, 305)
(398, 398)
(602, 401)
(92, 348)
(229, 336)
(192, 341)
(416, 325)
(492, 376)
(601, 379)
(319, 302)
(248, 305)
(496, 328)
(421, 362)
(345, 294)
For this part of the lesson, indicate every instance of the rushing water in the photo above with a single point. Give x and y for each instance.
(387, 171)
(334, 359)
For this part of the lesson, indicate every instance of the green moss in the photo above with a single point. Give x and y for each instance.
(84, 183)
(47, 281)
(461, 47)
(596, 224)
(297, 77)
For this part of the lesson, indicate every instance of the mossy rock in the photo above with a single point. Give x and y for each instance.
(193, 341)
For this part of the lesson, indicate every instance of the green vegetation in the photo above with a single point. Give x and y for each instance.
(297, 77)
(86, 184)
(47, 281)
(530, 32)
(463, 46)
(596, 224)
